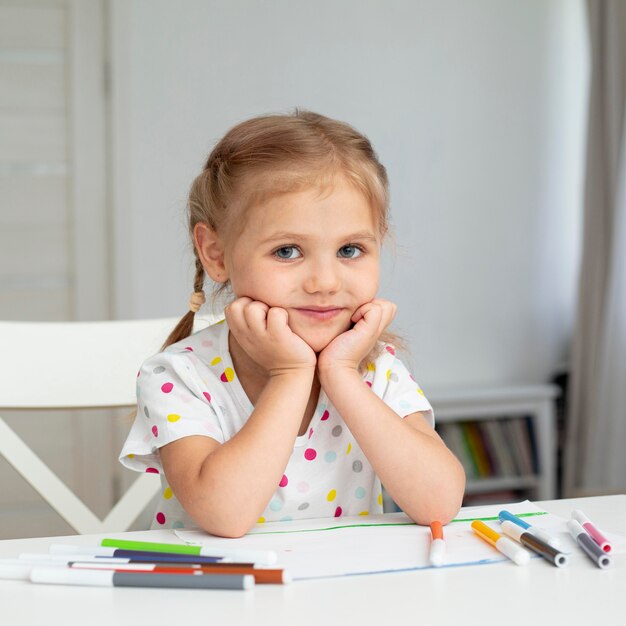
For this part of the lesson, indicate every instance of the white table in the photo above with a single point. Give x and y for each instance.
(484, 594)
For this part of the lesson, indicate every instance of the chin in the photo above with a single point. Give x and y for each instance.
(318, 343)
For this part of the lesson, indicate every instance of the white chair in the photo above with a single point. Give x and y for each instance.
(95, 366)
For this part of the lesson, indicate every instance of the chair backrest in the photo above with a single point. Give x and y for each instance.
(87, 365)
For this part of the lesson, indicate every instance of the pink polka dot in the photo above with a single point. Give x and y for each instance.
(390, 350)
(310, 433)
(138, 373)
(167, 387)
(338, 512)
(325, 415)
(310, 454)
(207, 395)
(368, 383)
(283, 481)
(155, 431)
(160, 518)
(152, 470)
(188, 348)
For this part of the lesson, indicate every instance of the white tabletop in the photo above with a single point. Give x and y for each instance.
(481, 594)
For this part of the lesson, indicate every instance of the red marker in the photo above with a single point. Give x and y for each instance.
(594, 533)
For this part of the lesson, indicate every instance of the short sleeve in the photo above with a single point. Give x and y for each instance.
(395, 385)
(172, 402)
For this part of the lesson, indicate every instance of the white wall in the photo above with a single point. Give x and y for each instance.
(476, 108)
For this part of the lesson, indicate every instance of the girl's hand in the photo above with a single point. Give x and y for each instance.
(263, 332)
(351, 347)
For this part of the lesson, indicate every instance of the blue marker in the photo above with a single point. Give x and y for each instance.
(506, 516)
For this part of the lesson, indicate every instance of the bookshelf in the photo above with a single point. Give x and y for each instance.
(505, 438)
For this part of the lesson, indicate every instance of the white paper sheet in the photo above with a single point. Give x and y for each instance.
(321, 548)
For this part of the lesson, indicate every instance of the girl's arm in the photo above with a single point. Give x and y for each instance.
(225, 488)
(422, 476)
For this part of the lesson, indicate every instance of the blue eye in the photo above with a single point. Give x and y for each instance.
(350, 252)
(287, 252)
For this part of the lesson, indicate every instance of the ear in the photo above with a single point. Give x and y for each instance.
(210, 250)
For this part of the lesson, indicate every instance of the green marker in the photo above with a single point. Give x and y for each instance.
(259, 557)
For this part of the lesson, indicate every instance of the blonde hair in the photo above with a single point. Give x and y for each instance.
(274, 154)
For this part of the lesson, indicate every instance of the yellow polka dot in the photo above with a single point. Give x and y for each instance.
(221, 322)
(172, 417)
(216, 360)
(349, 448)
(332, 494)
(420, 391)
(228, 374)
(380, 499)
(261, 520)
(371, 367)
(364, 513)
(388, 374)
(167, 494)
(130, 456)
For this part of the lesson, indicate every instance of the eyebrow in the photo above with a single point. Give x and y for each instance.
(288, 236)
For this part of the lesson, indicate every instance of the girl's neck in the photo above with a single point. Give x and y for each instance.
(253, 379)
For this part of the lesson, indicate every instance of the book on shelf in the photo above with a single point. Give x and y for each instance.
(492, 448)
(519, 442)
(496, 440)
(533, 444)
(477, 447)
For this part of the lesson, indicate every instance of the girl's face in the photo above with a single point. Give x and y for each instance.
(315, 255)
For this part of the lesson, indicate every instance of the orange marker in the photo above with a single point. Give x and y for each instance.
(438, 545)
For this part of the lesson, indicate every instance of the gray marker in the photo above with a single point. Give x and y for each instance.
(589, 546)
(104, 578)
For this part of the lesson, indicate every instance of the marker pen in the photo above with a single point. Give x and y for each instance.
(509, 548)
(104, 578)
(135, 555)
(260, 557)
(438, 545)
(532, 542)
(594, 533)
(538, 532)
(589, 546)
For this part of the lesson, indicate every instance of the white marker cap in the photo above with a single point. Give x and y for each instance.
(575, 528)
(63, 548)
(513, 550)
(580, 517)
(545, 536)
(437, 552)
(15, 571)
(512, 530)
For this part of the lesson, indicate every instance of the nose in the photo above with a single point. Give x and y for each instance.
(323, 276)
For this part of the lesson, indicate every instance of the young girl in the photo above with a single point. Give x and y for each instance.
(295, 406)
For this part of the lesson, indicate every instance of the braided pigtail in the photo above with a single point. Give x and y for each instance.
(184, 328)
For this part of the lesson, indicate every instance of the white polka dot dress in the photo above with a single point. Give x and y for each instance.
(192, 389)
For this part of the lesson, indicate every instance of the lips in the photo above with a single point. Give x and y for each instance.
(320, 313)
